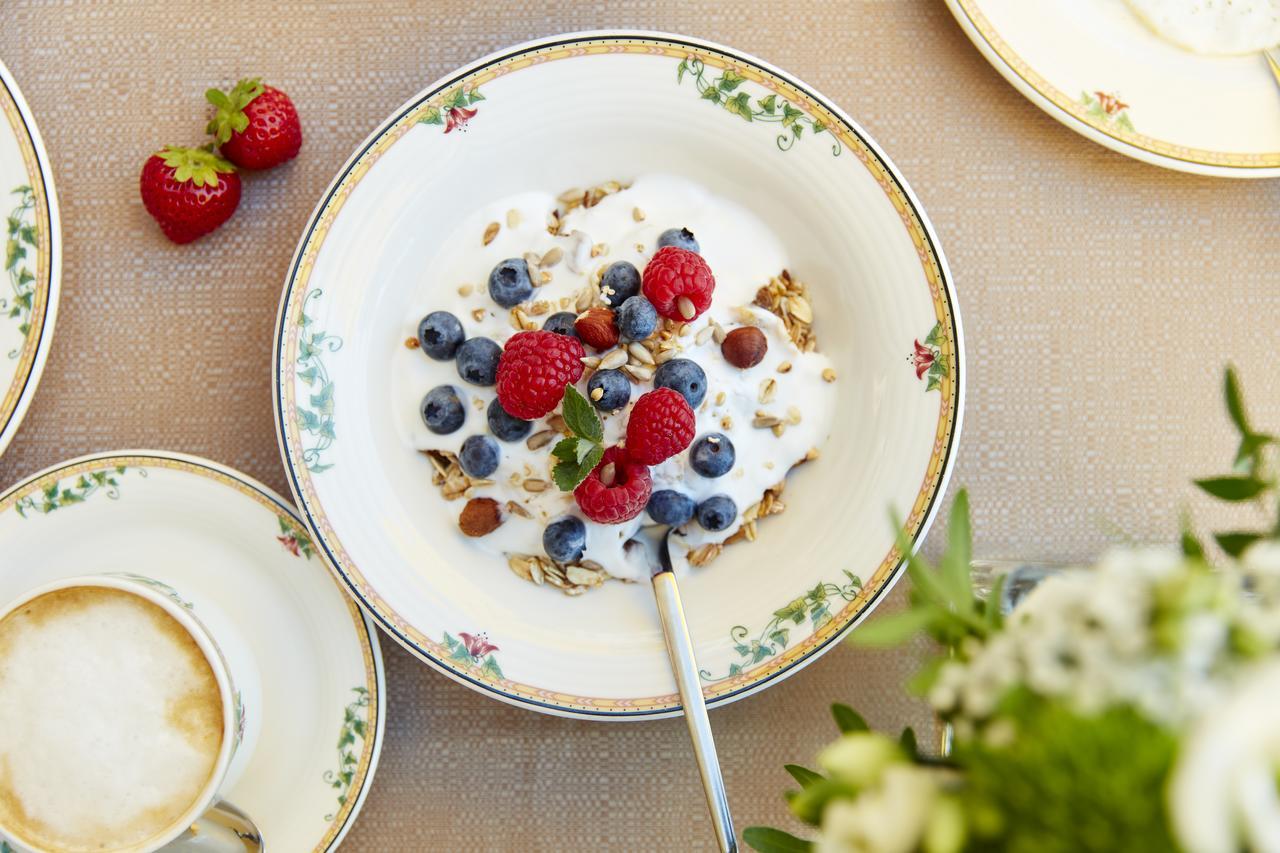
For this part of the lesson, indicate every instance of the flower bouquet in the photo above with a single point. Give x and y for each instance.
(1130, 706)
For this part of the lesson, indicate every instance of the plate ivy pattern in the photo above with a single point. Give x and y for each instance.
(21, 231)
(457, 109)
(928, 359)
(1107, 108)
(474, 650)
(813, 606)
(316, 418)
(355, 723)
(724, 90)
(57, 495)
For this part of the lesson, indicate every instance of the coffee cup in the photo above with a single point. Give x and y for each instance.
(127, 709)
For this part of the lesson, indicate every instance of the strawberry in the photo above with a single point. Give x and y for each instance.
(256, 126)
(189, 191)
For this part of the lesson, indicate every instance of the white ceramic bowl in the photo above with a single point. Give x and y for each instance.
(579, 110)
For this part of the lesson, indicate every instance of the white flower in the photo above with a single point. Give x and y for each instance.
(1222, 796)
(890, 818)
(859, 757)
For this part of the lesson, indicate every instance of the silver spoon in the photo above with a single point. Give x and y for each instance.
(685, 668)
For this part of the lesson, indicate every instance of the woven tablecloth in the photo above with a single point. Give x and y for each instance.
(1100, 297)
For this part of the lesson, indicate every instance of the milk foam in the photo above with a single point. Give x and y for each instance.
(110, 720)
(742, 252)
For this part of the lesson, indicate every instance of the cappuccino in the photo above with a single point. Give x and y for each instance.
(111, 721)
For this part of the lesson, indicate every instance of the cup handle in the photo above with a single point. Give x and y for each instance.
(222, 829)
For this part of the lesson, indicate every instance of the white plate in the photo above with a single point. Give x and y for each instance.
(32, 256)
(577, 111)
(1095, 67)
(202, 526)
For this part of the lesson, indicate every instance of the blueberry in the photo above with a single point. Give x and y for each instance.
(681, 238)
(683, 375)
(623, 279)
(442, 410)
(478, 361)
(670, 507)
(561, 323)
(565, 539)
(479, 455)
(505, 426)
(440, 334)
(712, 455)
(716, 512)
(636, 319)
(616, 390)
(509, 283)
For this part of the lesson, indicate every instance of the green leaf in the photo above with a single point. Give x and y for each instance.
(891, 629)
(769, 840)
(680, 70)
(581, 416)
(920, 683)
(730, 81)
(431, 116)
(712, 94)
(779, 637)
(474, 95)
(935, 334)
(769, 104)
(1192, 547)
(789, 114)
(1232, 488)
(734, 669)
(1125, 122)
(1235, 543)
(991, 611)
(953, 572)
(907, 740)
(803, 775)
(848, 720)
(569, 474)
(740, 105)
(1235, 401)
(809, 803)
(818, 593)
(818, 127)
(491, 667)
(1246, 461)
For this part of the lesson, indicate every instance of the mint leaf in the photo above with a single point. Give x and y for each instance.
(848, 719)
(569, 473)
(581, 416)
(769, 840)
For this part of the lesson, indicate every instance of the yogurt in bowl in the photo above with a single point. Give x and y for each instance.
(771, 415)
(424, 209)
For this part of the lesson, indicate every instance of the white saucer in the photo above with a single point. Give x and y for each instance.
(1095, 67)
(198, 524)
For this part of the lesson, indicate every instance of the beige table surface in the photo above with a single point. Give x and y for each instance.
(1100, 298)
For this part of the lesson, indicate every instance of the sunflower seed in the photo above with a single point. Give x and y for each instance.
(535, 572)
(465, 290)
(639, 372)
(797, 306)
(592, 361)
(663, 356)
(785, 367)
(540, 439)
(518, 509)
(513, 218)
(637, 214)
(582, 576)
(704, 334)
(765, 421)
(490, 232)
(477, 314)
(829, 375)
(568, 196)
(614, 359)
(718, 335)
(597, 393)
(533, 484)
(640, 353)
(778, 430)
(556, 422)
(532, 258)
(521, 567)
(793, 415)
(552, 257)
(767, 389)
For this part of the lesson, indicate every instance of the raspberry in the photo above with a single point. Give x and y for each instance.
(620, 499)
(533, 370)
(678, 283)
(660, 426)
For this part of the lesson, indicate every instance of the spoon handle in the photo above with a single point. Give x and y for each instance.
(685, 667)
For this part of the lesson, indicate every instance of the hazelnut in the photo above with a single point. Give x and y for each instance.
(480, 517)
(744, 347)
